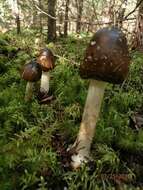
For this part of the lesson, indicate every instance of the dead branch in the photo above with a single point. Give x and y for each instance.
(137, 5)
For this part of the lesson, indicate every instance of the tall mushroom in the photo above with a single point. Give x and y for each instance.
(47, 61)
(31, 72)
(106, 60)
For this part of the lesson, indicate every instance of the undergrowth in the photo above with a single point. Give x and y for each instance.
(34, 138)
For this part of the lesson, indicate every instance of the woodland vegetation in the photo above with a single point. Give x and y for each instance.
(34, 138)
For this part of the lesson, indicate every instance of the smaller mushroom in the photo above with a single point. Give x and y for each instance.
(31, 72)
(47, 61)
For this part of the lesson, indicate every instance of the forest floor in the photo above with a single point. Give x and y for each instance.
(34, 138)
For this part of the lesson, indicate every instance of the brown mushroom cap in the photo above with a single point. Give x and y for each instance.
(46, 59)
(31, 71)
(107, 57)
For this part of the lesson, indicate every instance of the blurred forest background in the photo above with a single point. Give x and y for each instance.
(34, 138)
(60, 18)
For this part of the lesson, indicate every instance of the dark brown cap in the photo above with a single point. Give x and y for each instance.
(31, 71)
(46, 59)
(107, 56)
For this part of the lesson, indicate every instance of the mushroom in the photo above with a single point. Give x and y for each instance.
(47, 61)
(31, 72)
(106, 60)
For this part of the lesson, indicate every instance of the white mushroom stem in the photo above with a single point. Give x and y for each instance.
(45, 79)
(29, 91)
(89, 119)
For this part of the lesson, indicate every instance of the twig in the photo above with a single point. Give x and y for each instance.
(54, 18)
(138, 4)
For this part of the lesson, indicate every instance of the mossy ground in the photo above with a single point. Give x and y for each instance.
(34, 138)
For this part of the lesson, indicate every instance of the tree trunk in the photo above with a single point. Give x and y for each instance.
(15, 13)
(34, 19)
(40, 18)
(137, 39)
(121, 14)
(61, 20)
(79, 15)
(51, 20)
(139, 27)
(18, 24)
(66, 18)
(111, 11)
(17, 18)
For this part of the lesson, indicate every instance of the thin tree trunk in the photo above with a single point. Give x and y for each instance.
(137, 41)
(66, 18)
(51, 20)
(17, 17)
(79, 15)
(40, 18)
(34, 19)
(121, 14)
(18, 24)
(15, 12)
(111, 11)
(61, 19)
(139, 29)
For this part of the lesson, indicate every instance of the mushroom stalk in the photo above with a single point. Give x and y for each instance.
(29, 91)
(45, 79)
(88, 123)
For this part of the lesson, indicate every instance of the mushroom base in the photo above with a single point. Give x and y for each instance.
(89, 119)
